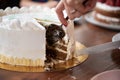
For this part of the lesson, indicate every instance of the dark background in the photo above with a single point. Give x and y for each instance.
(8, 3)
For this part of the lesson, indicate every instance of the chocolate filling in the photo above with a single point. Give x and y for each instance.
(55, 34)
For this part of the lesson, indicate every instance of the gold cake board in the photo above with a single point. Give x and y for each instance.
(61, 66)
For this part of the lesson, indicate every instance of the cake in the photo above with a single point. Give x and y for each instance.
(33, 36)
(107, 11)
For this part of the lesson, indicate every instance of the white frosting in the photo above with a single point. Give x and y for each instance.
(21, 16)
(2, 12)
(24, 9)
(21, 35)
(8, 10)
(106, 7)
(109, 19)
(19, 22)
(15, 9)
(0, 19)
(23, 44)
(25, 16)
(22, 38)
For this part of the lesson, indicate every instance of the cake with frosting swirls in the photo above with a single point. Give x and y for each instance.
(107, 11)
(33, 37)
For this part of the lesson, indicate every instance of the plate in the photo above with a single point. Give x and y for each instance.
(57, 67)
(89, 18)
(116, 37)
(108, 75)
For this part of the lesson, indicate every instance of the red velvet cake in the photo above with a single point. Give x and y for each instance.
(107, 11)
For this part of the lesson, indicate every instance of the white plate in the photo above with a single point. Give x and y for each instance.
(91, 19)
(116, 37)
(108, 75)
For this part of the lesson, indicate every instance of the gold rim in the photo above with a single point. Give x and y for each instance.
(61, 66)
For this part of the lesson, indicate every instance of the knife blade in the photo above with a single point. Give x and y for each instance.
(99, 48)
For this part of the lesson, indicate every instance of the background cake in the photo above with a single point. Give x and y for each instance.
(33, 37)
(107, 11)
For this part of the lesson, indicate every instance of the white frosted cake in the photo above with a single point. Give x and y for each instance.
(33, 37)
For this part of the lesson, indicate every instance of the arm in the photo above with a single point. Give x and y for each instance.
(28, 3)
(32, 3)
(74, 8)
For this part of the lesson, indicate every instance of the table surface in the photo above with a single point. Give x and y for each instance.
(89, 35)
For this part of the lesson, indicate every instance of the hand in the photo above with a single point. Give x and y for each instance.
(74, 8)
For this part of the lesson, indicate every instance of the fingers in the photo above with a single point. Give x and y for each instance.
(74, 8)
(59, 10)
(77, 14)
(79, 6)
(82, 6)
(76, 4)
(68, 9)
(71, 12)
(90, 5)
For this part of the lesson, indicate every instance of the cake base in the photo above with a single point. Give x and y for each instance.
(106, 19)
(89, 18)
(115, 14)
(61, 66)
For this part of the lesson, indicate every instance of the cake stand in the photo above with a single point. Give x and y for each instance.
(57, 67)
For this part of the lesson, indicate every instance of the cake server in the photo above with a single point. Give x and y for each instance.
(99, 48)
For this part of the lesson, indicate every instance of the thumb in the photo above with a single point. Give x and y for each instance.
(59, 10)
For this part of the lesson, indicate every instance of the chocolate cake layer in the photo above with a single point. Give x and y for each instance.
(55, 53)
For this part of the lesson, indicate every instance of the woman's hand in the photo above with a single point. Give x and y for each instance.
(74, 8)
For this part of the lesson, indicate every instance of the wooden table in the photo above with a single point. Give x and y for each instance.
(89, 35)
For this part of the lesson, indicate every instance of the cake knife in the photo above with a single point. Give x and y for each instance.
(99, 48)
